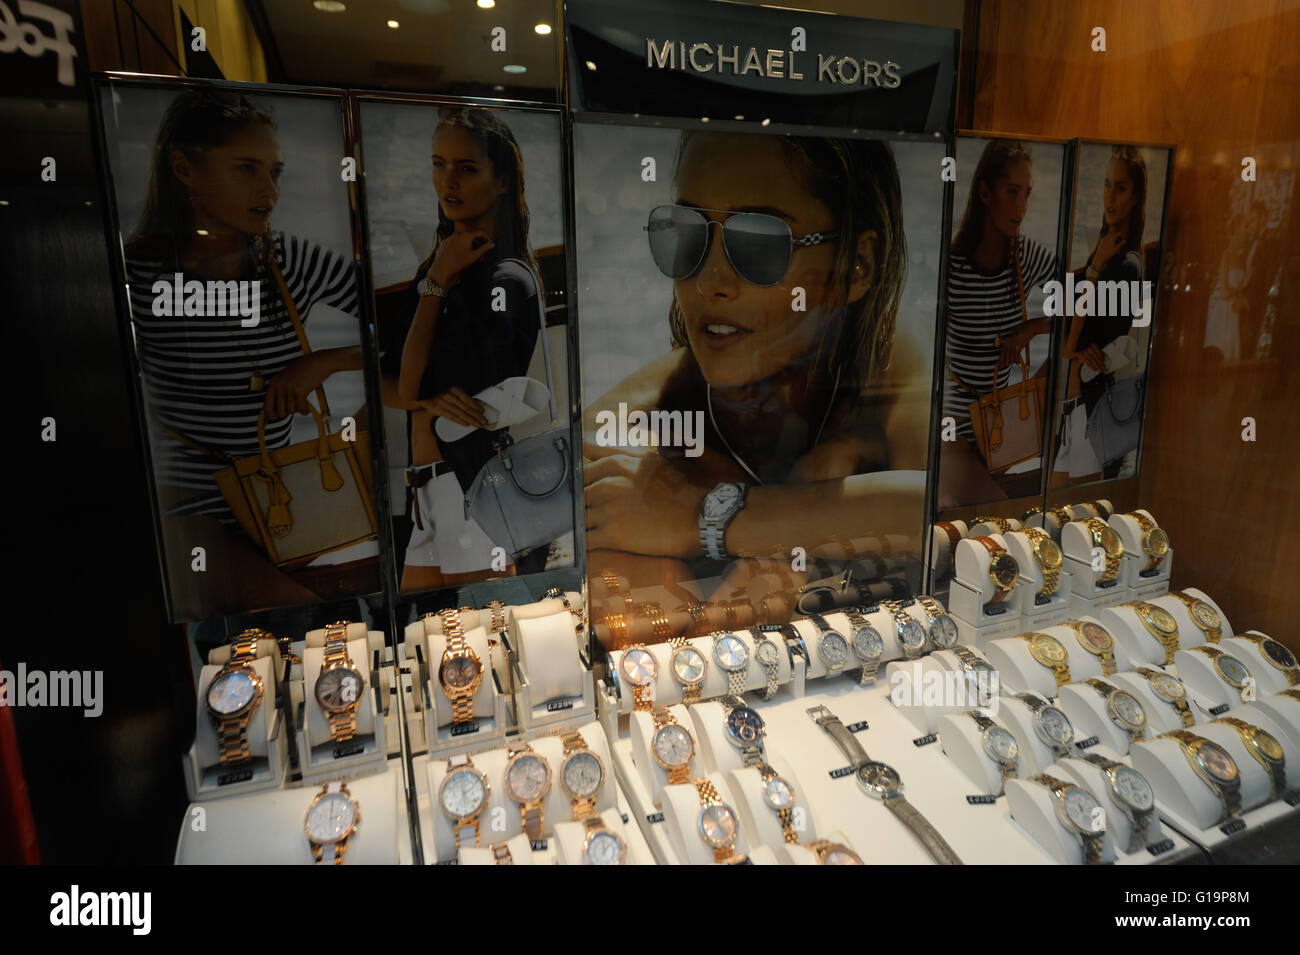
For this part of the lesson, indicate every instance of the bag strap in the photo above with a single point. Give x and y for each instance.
(297, 322)
(541, 323)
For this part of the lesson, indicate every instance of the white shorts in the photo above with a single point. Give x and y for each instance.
(449, 540)
(1076, 456)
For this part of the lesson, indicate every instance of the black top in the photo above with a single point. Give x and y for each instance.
(1124, 266)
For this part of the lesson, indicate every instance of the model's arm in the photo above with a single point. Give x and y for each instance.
(287, 392)
(419, 341)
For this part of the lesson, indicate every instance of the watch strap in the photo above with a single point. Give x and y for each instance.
(839, 733)
(786, 815)
(709, 797)
(501, 854)
(934, 843)
(1276, 769)
(1111, 571)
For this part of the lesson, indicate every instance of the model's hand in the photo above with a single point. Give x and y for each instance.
(287, 392)
(455, 405)
(1093, 357)
(1013, 344)
(643, 504)
(456, 253)
(1109, 245)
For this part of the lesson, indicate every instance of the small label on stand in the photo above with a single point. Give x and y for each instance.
(858, 727)
(231, 778)
(654, 817)
(1107, 584)
(984, 799)
(841, 772)
(1040, 599)
(461, 729)
(625, 819)
(1161, 847)
(1292, 798)
(869, 609)
(1228, 828)
(1220, 710)
(925, 740)
(538, 845)
(1153, 572)
(994, 610)
(555, 706)
(905, 602)
(351, 749)
(1090, 741)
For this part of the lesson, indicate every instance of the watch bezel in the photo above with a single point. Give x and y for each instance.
(600, 832)
(672, 665)
(832, 635)
(520, 757)
(1044, 542)
(879, 643)
(247, 708)
(352, 828)
(442, 788)
(350, 668)
(654, 750)
(1117, 717)
(568, 760)
(717, 647)
(654, 668)
(875, 789)
(744, 716)
(1040, 722)
(719, 806)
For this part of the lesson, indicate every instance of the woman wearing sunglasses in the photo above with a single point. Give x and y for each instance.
(787, 257)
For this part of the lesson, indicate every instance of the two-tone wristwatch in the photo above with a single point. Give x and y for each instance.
(1230, 669)
(463, 795)
(1049, 652)
(640, 668)
(1158, 622)
(1131, 794)
(1003, 569)
(339, 685)
(745, 729)
(672, 746)
(1097, 640)
(1169, 689)
(460, 671)
(717, 823)
(943, 629)
(1062, 516)
(1275, 655)
(718, 509)
(233, 697)
(732, 656)
(501, 854)
(778, 795)
(1103, 535)
(832, 646)
(868, 646)
(1052, 727)
(1123, 708)
(1079, 813)
(333, 818)
(1264, 749)
(1205, 617)
(582, 774)
(601, 845)
(689, 667)
(768, 655)
(910, 634)
(1047, 555)
(999, 745)
(1155, 542)
(528, 780)
(1214, 766)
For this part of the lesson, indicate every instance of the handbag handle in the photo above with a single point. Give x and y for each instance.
(546, 348)
(293, 317)
(560, 445)
(278, 519)
(1110, 402)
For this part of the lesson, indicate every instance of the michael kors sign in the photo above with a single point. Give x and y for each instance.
(729, 59)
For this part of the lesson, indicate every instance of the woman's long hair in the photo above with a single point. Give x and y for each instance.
(1131, 157)
(195, 121)
(995, 163)
(858, 180)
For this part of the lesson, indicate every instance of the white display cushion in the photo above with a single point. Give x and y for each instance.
(521, 852)
(549, 656)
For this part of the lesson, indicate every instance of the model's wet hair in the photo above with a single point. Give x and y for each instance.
(995, 163)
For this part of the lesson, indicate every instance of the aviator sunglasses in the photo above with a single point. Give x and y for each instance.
(758, 246)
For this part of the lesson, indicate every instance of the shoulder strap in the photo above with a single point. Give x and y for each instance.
(293, 317)
(541, 322)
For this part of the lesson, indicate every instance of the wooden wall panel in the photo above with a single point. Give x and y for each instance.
(1222, 81)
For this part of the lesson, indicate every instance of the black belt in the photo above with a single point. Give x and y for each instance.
(418, 477)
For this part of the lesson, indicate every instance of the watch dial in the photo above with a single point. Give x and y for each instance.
(867, 643)
(460, 672)
(833, 649)
(744, 726)
(731, 653)
(718, 825)
(463, 794)
(673, 745)
(943, 631)
(1217, 762)
(767, 653)
(231, 692)
(1206, 616)
(778, 794)
(605, 848)
(1098, 637)
(1079, 809)
(1005, 570)
(338, 688)
(1232, 670)
(881, 778)
(331, 818)
(1002, 744)
(1278, 654)
(1133, 789)
(1049, 648)
(1111, 543)
(719, 502)
(911, 635)
(841, 856)
(1167, 686)
(639, 666)
(1128, 708)
(1268, 745)
(688, 666)
(1049, 553)
(1162, 619)
(528, 778)
(1158, 542)
(582, 774)
(1055, 725)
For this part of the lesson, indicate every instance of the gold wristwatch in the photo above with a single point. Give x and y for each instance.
(640, 668)
(833, 853)
(1079, 813)
(778, 795)
(1203, 615)
(672, 746)
(717, 825)
(557, 594)
(1275, 655)
(1097, 640)
(339, 685)
(1003, 569)
(1215, 767)
(1124, 709)
(332, 819)
(1051, 653)
(1001, 523)
(582, 774)
(233, 697)
(1158, 622)
(1104, 536)
(1047, 554)
(1264, 748)
(461, 671)
(463, 795)
(498, 620)
(601, 845)
(1062, 516)
(528, 780)
(689, 667)
(1170, 689)
(1155, 542)
(1230, 670)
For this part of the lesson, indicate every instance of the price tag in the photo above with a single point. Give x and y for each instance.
(464, 729)
(858, 727)
(842, 772)
(229, 779)
(984, 799)
(994, 610)
(538, 845)
(1161, 847)
(341, 751)
(925, 740)
(1086, 743)
(1230, 828)
(654, 817)
(1220, 710)
(555, 706)
(1292, 798)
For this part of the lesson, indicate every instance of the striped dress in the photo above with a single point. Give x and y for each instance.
(196, 370)
(982, 306)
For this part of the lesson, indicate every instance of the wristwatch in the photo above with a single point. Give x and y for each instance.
(1080, 813)
(1158, 622)
(1291, 694)
(1131, 794)
(768, 655)
(834, 853)
(1266, 750)
(672, 746)
(1097, 640)
(718, 509)
(1030, 512)
(233, 696)
(954, 536)
(501, 854)
(999, 745)
(1124, 709)
(972, 662)
(1275, 655)
(528, 780)
(745, 729)
(1099, 509)
(1170, 689)
(1048, 556)
(717, 823)
(1203, 615)
(1003, 569)
(731, 654)
(943, 630)
(1062, 516)
(1215, 767)
(1155, 542)
(1051, 724)
(463, 795)
(461, 671)
(1104, 536)
(832, 647)
(602, 845)
(868, 646)
(778, 795)
(1230, 670)
(640, 668)
(660, 627)
(881, 781)
(1001, 523)
(339, 685)
(1051, 653)
(427, 286)
(689, 666)
(555, 593)
(910, 634)
(582, 774)
(332, 819)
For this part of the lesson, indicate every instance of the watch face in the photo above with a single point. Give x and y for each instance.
(943, 631)
(1049, 651)
(582, 774)
(1054, 726)
(868, 644)
(911, 635)
(1217, 762)
(766, 653)
(231, 692)
(718, 825)
(744, 726)
(840, 855)
(1048, 553)
(1110, 542)
(462, 794)
(1080, 806)
(1133, 789)
(731, 653)
(1161, 619)
(1267, 744)
(1158, 542)
(528, 777)
(689, 666)
(1004, 570)
(879, 779)
(1127, 708)
(331, 818)
(1206, 616)
(983, 666)
(639, 666)
(720, 502)
(605, 848)
(1167, 686)
(459, 673)
(778, 794)
(1097, 637)
(1232, 670)
(673, 745)
(833, 649)
(1001, 745)
(1278, 654)
(339, 688)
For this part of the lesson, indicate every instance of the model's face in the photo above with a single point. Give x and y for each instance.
(1120, 197)
(234, 186)
(464, 179)
(741, 333)
(1008, 200)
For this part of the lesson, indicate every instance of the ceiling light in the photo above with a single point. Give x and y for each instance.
(514, 68)
(329, 6)
(393, 24)
(591, 66)
(739, 117)
(542, 29)
(767, 122)
(487, 4)
(498, 88)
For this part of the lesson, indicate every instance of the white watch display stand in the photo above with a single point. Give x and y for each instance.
(1209, 696)
(1119, 828)
(554, 683)
(1086, 709)
(268, 738)
(925, 689)
(943, 551)
(1037, 613)
(760, 820)
(667, 691)
(1268, 678)
(962, 742)
(1265, 716)
(1142, 582)
(1087, 596)
(570, 836)
(1283, 711)
(319, 755)
(521, 852)
(988, 528)
(1033, 806)
(267, 828)
(1019, 671)
(490, 718)
(971, 592)
(682, 813)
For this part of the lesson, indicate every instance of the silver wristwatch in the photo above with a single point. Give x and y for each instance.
(868, 646)
(745, 730)
(732, 656)
(718, 509)
(768, 655)
(832, 647)
(1131, 793)
(911, 635)
(999, 745)
(943, 629)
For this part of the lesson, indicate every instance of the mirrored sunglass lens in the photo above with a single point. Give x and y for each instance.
(758, 247)
(677, 240)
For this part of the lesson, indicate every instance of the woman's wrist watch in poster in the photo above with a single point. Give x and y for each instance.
(718, 509)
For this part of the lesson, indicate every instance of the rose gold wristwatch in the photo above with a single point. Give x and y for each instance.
(528, 780)
(461, 671)
(339, 686)
(233, 696)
